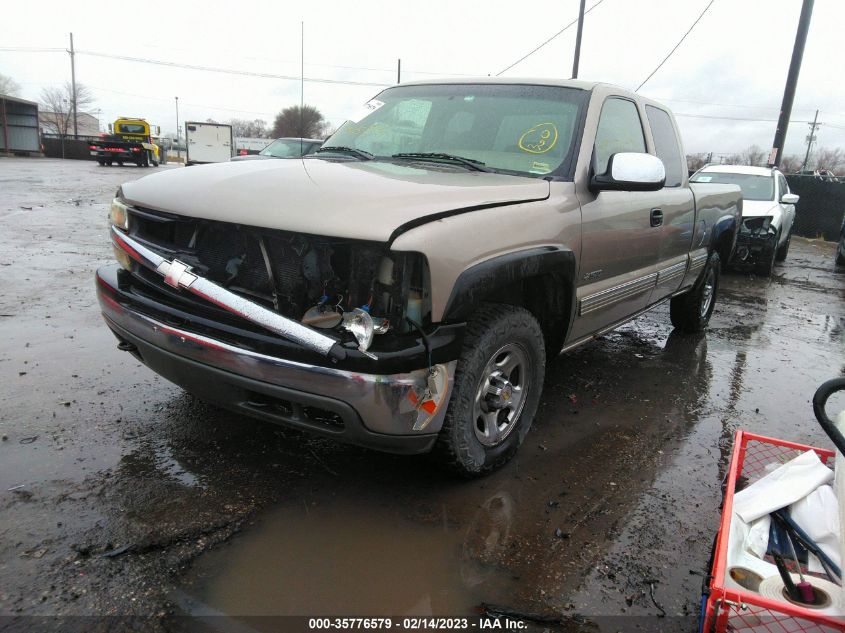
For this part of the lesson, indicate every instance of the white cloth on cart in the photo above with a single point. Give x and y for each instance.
(818, 515)
(782, 487)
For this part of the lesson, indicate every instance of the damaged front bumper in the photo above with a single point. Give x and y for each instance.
(394, 412)
(755, 240)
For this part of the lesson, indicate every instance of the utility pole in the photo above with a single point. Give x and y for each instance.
(73, 86)
(791, 81)
(178, 147)
(578, 40)
(399, 71)
(810, 138)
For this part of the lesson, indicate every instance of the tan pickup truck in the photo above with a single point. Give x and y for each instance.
(404, 287)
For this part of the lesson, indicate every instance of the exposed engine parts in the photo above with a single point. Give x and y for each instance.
(346, 285)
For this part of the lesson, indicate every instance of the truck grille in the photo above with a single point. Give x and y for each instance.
(297, 272)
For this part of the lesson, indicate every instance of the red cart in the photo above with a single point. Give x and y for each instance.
(728, 608)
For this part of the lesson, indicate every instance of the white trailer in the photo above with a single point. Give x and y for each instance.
(208, 142)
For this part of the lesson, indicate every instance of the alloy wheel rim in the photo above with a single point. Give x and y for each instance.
(707, 292)
(502, 391)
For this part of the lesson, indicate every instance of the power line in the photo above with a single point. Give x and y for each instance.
(731, 118)
(681, 41)
(33, 49)
(230, 71)
(524, 57)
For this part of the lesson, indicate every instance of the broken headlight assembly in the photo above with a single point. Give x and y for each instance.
(757, 227)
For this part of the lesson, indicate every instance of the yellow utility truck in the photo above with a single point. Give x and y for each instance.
(130, 141)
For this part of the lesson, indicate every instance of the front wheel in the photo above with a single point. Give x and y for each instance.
(784, 250)
(766, 261)
(691, 311)
(497, 386)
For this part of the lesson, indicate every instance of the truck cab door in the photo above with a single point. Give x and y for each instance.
(673, 241)
(620, 231)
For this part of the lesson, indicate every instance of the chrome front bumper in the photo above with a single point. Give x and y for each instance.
(383, 406)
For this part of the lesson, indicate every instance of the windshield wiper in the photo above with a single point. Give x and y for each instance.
(339, 149)
(477, 165)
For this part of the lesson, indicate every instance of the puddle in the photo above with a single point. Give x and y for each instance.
(339, 557)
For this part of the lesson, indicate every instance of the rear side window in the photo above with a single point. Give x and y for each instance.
(666, 144)
(620, 130)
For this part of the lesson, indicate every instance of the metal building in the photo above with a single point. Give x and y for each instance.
(18, 126)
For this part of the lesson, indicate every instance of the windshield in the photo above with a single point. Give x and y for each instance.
(286, 148)
(753, 187)
(510, 128)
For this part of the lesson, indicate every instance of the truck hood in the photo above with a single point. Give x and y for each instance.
(360, 200)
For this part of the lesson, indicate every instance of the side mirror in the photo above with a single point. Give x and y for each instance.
(789, 198)
(630, 171)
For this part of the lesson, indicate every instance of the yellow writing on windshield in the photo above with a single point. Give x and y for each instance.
(539, 139)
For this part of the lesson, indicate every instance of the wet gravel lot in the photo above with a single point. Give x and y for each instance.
(121, 495)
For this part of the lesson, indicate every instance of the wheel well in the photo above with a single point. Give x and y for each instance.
(724, 244)
(549, 298)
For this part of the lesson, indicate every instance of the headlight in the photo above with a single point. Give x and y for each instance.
(119, 214)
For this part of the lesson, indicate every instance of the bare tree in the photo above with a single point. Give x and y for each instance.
(791, 163)
(308, 123)
(753, 156)
(245, 128)
(696, 161)
(57, 105)
(9, 86)
(832, 159)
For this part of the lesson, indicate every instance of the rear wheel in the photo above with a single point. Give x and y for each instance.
(497, 386)
(691, 311)
(102, 162)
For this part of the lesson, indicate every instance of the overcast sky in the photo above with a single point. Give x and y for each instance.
(733, 64)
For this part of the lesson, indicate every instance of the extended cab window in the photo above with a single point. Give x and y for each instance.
(666, 144)
(620, 130)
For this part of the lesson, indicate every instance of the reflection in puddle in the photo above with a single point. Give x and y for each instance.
(353, 559)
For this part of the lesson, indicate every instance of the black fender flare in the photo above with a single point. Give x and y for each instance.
(480, 283)
(720, 227)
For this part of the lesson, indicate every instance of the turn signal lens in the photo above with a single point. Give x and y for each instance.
(122, 258)
(119, 215)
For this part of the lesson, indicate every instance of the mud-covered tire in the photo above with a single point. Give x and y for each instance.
(840, 254)
(783, 251)
(494, 328)
(691, 311)
(766, 262)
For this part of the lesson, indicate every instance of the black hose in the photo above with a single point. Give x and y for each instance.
(819, 401)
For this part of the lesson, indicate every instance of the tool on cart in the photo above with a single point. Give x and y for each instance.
(783, 570)
(793, 530)
(805, 589)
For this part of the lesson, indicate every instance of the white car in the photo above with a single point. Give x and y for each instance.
(768, 212)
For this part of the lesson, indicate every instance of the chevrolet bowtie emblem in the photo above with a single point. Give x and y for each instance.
(176, 274)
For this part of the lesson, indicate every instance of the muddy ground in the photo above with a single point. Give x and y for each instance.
(122, 496)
